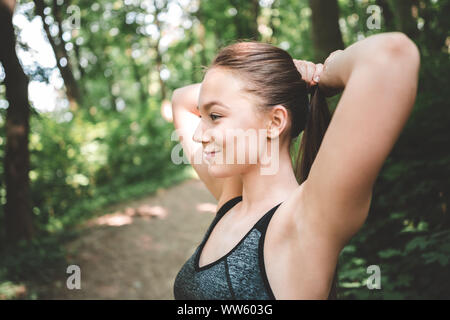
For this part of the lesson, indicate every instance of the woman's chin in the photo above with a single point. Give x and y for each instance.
(219, 171)
(225, 171)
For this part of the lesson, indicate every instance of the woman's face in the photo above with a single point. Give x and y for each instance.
(230, 125)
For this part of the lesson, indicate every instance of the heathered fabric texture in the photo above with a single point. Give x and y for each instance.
(240, 274)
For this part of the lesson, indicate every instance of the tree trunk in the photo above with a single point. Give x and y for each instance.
(246, 19)
(162, 85)
(18, 217)
(254, 14)
(201, 34)
(197, 74)
(138, 79)
(72, 90)
(326, 34)
(432, 38)
(273, 37)
(404, 20)
(76, 50)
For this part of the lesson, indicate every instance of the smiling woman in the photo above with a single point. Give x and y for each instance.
(186, 117)
(279, 236)
(230, 132)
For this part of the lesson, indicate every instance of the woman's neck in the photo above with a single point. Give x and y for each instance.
(261, 191)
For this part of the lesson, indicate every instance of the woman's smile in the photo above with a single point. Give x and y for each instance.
(210, 155)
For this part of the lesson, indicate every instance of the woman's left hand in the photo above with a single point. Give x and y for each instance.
(309, 71)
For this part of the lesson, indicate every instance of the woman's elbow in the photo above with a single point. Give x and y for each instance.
(398, 48)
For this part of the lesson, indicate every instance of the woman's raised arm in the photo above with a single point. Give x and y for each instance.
(379, 76)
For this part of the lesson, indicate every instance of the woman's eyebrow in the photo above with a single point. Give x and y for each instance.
(208, 105)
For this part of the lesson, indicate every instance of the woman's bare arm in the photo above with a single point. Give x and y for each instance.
(380, 75)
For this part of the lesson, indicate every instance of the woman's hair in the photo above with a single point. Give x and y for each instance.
(271, 75)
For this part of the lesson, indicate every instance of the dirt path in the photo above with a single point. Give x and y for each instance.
(136, 249)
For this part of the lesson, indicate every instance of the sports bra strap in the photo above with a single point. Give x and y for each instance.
(227, 206)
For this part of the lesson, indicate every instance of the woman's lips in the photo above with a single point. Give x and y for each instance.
(210, 155)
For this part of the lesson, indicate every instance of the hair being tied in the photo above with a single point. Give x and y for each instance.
(271, 75)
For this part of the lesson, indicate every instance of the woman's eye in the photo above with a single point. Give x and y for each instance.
(214, 116)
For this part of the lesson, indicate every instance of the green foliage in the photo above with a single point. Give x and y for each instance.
(25, 266)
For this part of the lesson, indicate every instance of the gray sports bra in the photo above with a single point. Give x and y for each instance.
(240, 274)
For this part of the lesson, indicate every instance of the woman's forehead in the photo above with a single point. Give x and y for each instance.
(221, 79)
(222, 85)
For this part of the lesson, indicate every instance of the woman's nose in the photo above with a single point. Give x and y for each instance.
(199, 134)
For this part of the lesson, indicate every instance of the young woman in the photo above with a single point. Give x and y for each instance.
(279, 235)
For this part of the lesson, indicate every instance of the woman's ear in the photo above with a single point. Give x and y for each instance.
(277, 122)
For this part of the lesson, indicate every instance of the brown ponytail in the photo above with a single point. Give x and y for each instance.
(319, 118)
(316, 125)
(272, 76)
